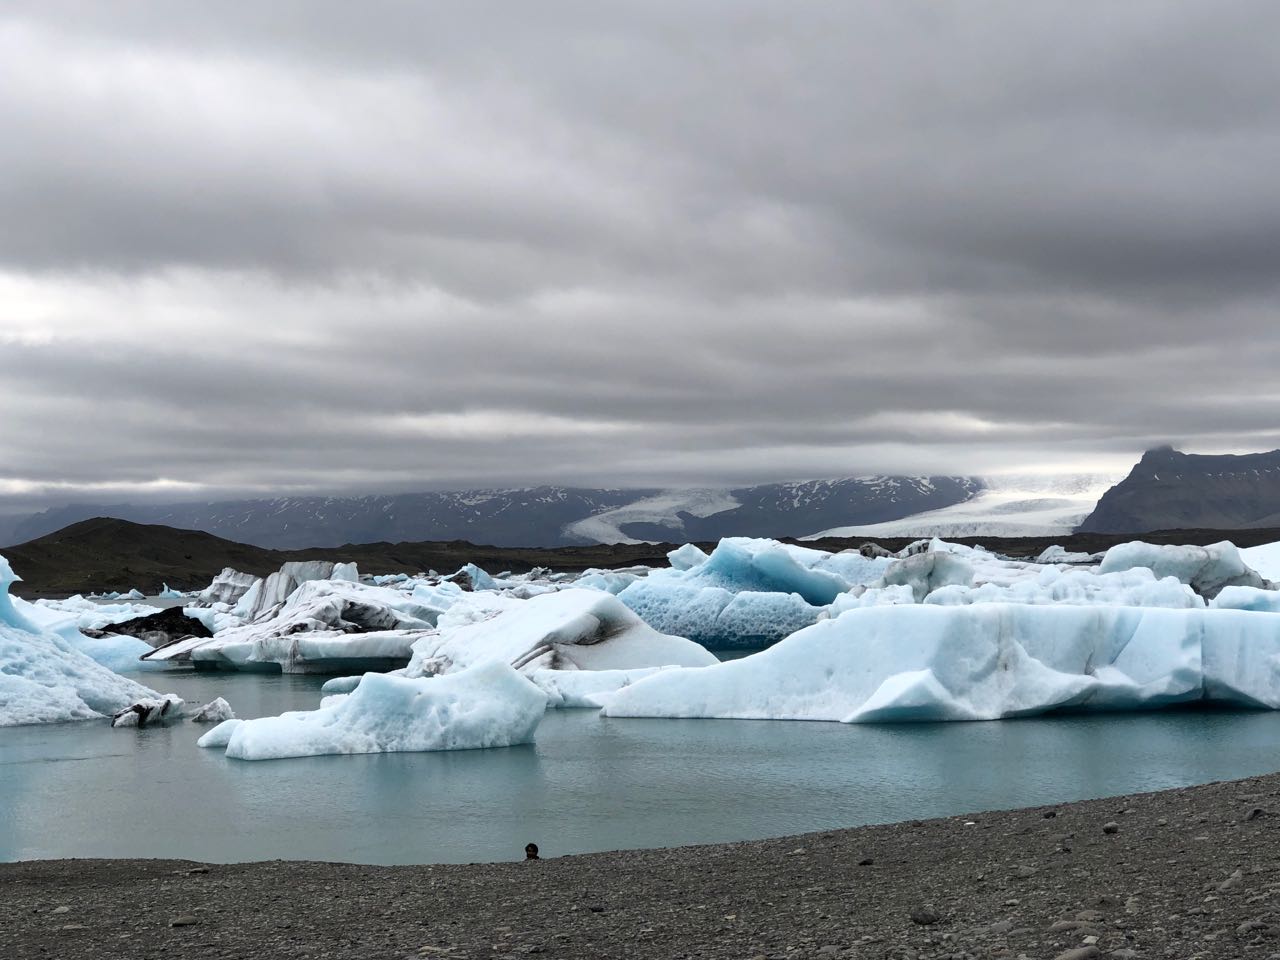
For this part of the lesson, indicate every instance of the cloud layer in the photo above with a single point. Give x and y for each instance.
(332, 247)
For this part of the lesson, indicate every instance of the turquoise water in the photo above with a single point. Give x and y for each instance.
(588, 783)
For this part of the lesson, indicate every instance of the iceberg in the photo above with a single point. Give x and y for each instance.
(573, 629)
(44, 678)
(587, 688)
(151, 712)
(980, 662)
(215, 711)
(220, 735)
(324, 626)
(489, 705)
(1205, 569)
(748, 592)
(1265, 559)
(227, 587)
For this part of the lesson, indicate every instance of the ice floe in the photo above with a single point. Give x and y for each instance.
(980, 662)
(489, 705)
(44, 678)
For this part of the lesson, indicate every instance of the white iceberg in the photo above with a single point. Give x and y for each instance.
(980, 662)
(489, 705)
(324, 626)
(587, 688)
(572, 629)
(151, 712)
(215, 711)
(1265, 559)
(1205, 569)
(220, 735)
(227, 587)
(45, 679)
(747, 593)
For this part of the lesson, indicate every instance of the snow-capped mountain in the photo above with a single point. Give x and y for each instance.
(526, 517)
(1006, 506)
(539, 516)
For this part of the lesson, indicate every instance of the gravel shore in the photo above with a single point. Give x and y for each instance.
(1182, 873)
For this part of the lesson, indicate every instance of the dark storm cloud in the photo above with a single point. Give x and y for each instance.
(250, 247)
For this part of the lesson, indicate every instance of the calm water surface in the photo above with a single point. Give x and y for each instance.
(588, 783)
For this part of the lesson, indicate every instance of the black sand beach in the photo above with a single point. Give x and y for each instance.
(1185, 873)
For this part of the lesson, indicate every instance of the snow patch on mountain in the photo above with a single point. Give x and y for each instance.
(1035, 505)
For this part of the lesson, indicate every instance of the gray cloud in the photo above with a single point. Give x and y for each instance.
(256, 247)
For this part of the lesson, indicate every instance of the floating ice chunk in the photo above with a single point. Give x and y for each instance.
(325, 626)
(985, 661)
(227, 587)
(716, 617)
(67, 618)
(926, 572)
(345, 571)
(1132, 588)
(687, 557)
(587, 688)
(134, 594)
(1265, 559)
(44, 678)
(215, 711)
(571, 629)
(1059, 554)
(436, 598)
(871, 597)
(220, 735)
(748, 593)
(489, 705)
(151, 712)
(1247, 598)
(340, 684)
(168, 593)
(610, 581)
(765, 566)
(1206, 569)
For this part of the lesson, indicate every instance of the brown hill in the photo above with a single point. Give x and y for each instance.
(106, 554)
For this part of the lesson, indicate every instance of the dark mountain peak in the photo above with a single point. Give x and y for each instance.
(1168, 489)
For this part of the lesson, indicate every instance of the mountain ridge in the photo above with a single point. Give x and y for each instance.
(1168, 488)
(543, 516)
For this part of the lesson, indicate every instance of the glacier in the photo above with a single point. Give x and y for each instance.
(488, 705)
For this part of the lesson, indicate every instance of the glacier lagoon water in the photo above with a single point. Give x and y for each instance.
(588, 783)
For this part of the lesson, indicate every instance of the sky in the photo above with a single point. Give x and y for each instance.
(264, 248)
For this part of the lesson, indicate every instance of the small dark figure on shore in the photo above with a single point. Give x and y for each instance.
(531, 851)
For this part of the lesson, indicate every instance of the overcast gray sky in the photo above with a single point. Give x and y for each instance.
(332, 246)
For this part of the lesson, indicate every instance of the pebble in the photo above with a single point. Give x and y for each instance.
(1024, 871)
(1079, 953)
(1111, 827)
(62, 909)
(925, 915)
(1232, 881)
(185, 920)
